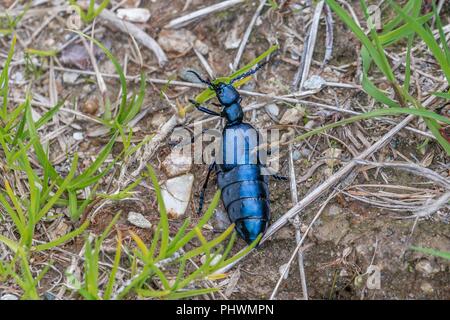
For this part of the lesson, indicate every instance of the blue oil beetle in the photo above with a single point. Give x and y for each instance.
(244, 187)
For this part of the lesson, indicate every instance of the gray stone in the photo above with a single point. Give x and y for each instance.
(426, 287)
(138, 220)
(220, 220)
(201, 47)
(314, 83)
(293, 115)
(186, 75)
(425, 267)
(70, 77)
(179, 41)
(296, 155)
(273, 109)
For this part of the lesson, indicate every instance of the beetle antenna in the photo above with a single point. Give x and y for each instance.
(208, 82)
(249, 73)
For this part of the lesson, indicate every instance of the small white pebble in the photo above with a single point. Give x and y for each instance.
(78, 136)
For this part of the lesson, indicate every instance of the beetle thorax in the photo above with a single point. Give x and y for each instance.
(230, 100)
(233, 113)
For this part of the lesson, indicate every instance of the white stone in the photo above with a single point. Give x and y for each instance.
(314, 83)
(9, 296)
(233, 40)
(70, 77)
(177, 164)
(158, 119)
(138, 220)
(272, 109)
(78, 136)
(176, 193)
(17, 76)
(140, 15)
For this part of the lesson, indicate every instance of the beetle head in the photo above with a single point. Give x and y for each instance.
(226, 94)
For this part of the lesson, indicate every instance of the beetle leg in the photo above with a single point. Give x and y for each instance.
(200, 134)
(270, 172)
(205, 185)
(203, 109)
(280, 178)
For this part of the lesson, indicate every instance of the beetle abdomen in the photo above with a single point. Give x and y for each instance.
(245, 195)
(239, 143)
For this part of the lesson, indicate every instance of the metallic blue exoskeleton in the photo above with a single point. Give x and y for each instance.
(245, 191)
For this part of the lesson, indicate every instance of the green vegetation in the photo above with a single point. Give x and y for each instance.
(406, 26)
(90, 13)
(433, 252)
(32, 201)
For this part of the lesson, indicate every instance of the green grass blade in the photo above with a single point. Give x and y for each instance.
(59, 241)
(442, 95)
(209, 245)
(112, 276)
(208, 93)
(427, 37)
(190, 293)
(4, 78)
(381, 112)
(117, 66)
(240, 254)
(164, 220)
(434, 252)
(208, 214)
(90, 171)
(40, 153)
(62, 188)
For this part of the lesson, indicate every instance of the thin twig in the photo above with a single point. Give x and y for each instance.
(205, 64)
(413, 168)
(138, 34)
(299, 245)
(247, 33)
(190, 17)
(296, 223)
(303, 71)
(329, 35)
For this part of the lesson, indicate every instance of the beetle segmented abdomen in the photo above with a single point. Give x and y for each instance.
(244, 189)
(249, 208)
(245, 195)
